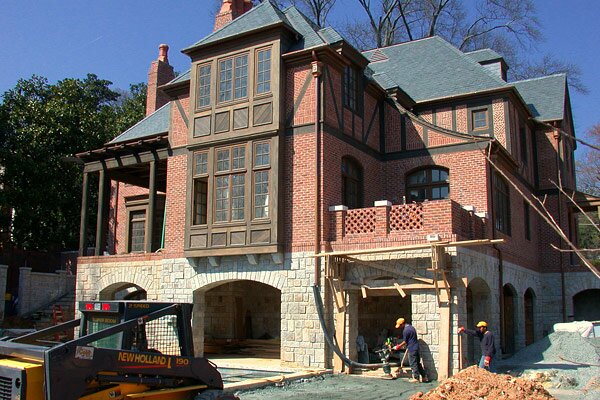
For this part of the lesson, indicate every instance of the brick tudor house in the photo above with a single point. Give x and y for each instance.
(283, 141)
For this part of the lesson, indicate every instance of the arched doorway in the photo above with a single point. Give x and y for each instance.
(529, 306)
(240, 319)
(509, 324)
(122, 291)
(586, 305)
(479, 307)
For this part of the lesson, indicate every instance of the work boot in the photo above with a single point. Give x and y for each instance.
(425, 379)
(414, 380)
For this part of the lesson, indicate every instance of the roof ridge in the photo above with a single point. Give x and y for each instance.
(541, 77)
(241, 17)
(399, 44)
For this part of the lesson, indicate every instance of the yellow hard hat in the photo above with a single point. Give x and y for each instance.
(481, 323)
(399, 321)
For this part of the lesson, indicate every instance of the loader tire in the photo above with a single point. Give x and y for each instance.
(215, 395)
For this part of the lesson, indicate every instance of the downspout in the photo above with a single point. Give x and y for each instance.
(316, 70)
(559, 174)
(498, 252)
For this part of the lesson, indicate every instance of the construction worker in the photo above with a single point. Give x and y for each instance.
(488, 347)
(409, 339)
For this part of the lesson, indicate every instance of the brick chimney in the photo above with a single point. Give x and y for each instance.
(230, 10)
(160, 73)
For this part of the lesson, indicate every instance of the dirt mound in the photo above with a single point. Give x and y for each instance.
(477, 383)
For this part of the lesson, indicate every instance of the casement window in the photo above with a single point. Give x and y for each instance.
(428, 184)
(261, 171)
(527, 221)
(230, 181)
(501, 204)
(137, 231)
(200, 183)
(480, 119)
(263, 71)
(352, 183)
(233, 78)
(203, 93)
(350, 88)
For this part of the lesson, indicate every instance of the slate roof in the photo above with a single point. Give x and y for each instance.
(431, 68)
(181, 77)
(545, 96)
(484, 55)
(263, 15)
(156, 123)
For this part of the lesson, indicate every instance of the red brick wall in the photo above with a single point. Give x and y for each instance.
(178, 135)
(176, 205)
(295, 80)
(120, 226)
(393, 139)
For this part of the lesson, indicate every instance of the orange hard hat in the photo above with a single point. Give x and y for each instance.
(399, 321)
(481, 323)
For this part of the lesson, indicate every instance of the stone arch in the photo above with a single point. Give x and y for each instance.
(479, 308)
(529, 304)
(509, 318)
(208, 281)
(134, 277)
(235, 310)
(586, 305)
(122, 291)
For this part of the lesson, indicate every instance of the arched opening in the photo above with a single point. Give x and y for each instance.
(509, 323)
(586, 305)
(123, 291)
(529, 303)
(479, 307)
(239, 319)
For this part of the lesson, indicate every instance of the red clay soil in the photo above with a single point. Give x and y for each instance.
(477, 383)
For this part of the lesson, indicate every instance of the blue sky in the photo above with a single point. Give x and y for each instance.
(117, 40)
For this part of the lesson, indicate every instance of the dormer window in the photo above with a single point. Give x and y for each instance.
(233, 78)
(479, 119)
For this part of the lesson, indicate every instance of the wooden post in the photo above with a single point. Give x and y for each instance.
(103, 189)
(445, 351)
(151, 208)
(83, 223)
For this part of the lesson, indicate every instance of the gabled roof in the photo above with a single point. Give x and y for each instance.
(545, 96)
(310, 34)
(430, 69)
(156, 123)
(262, 16)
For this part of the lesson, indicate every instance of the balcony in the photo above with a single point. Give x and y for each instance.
(387, 225)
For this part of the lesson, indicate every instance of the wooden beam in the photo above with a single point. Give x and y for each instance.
(340, 337)
(399, 289)
(381, 267)
(480, 242)
(444, 329)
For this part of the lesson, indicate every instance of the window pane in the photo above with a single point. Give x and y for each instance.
(501, 205)
(203, 99)
(241, 76)
(261, 194)
(222, 198)
(237, 197)
(200, 163)
(239, 157)
(225, 77)
(418, 177)
(261, 156)
(223, 160)
(263, 79)
(350, 87)
(200, 201)
(417, 195)
(480, 119)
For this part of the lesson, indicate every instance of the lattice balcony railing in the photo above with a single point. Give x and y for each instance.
(406, 217)
(360, 220)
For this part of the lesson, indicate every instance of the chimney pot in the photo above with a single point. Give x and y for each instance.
(163, 53)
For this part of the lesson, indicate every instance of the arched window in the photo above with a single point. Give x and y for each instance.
(428, 184)
(352, 183)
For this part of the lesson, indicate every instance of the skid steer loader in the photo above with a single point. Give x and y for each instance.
(124, 350)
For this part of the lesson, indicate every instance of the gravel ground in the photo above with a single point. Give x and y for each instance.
(548, 360)
(339, 387)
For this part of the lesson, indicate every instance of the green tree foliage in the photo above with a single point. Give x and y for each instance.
(41, 126)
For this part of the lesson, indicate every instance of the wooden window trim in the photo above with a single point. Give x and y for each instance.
(131, 208)
(485, 112)
(230, 173)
